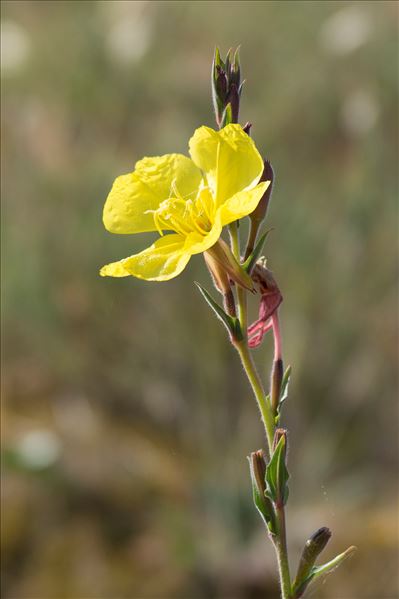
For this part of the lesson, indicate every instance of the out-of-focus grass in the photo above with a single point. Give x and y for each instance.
(126, 419)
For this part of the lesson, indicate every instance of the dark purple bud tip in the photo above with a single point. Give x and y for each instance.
(247, 128)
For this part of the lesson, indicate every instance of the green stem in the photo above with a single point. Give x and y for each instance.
(282, 554)
(257, 388)
(266, 411)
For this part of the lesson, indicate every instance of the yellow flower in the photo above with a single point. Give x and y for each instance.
(190, 199)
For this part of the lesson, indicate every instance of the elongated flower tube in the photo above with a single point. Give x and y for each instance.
(189, 199)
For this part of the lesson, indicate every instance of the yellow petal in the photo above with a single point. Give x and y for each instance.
(163, 260)
(133, 195)
(228, 158)
(196, 243)
(242, 203)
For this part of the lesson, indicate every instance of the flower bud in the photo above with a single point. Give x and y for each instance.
(257, 465)
(313, 547)
(221, 84)
(278, 433)
(275, 383)
(259, 469)
(226, 87)
(234, 100)
(259, 213)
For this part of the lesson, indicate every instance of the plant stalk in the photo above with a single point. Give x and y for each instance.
(267, 414)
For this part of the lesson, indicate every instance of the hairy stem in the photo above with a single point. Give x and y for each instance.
(282, 554)
(266, 410)
(257, 388)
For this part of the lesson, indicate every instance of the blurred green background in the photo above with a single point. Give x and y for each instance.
(126, 417)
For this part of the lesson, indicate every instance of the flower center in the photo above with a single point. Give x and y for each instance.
(184, 215)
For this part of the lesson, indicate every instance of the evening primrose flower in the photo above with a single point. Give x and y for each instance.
(190, 200)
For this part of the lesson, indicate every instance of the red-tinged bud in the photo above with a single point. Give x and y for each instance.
(221, 84)
(226, 87)
(259, 469)
(259, 213)
(278, 433)
(275, 383)
(234, 100)
(247, 128)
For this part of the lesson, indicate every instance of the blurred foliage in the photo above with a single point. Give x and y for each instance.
(126, 418)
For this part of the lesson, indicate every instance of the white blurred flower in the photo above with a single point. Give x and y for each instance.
(39, 448)
(345, 30)
(15, 47)
(130, 34)
(359, 112)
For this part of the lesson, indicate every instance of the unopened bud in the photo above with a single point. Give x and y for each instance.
(313, 547)
(221, 84)
(235, 70)
(278, 433)
(275, 384)
(257, 464)
(226, 87)
(259, 214)
(234, 100)
(247, 128)
(259, 470)
(260, 211)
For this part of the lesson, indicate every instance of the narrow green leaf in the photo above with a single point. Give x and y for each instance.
(324, 570)
(283, 392)
(227, 116)
(333, 564)
(217, 60)
(284, 385)
(252, 258)
(228, 61)
(277, 474)
(231, 323)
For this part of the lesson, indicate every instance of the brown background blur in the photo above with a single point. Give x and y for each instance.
(126, 417)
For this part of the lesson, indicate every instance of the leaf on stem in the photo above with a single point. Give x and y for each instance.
(283, 392)
(321, 571)
(277, 474)
(231, 323)
(227, 116)
(252, 258)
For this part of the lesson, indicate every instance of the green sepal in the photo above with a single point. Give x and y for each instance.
(217, 60)
(263, 504)
(277, 474)
(235, 71)
(218, 102)
(252, 258)
(231, 323)
(227, 64)
(227, 118)
(320, 571)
